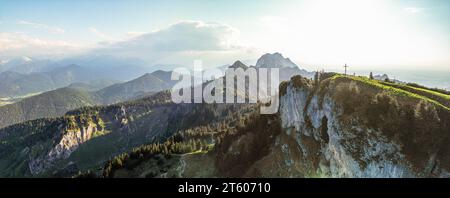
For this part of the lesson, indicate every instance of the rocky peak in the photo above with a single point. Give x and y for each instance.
(275, 60)
(238, 64)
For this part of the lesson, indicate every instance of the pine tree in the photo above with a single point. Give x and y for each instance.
(371, 76)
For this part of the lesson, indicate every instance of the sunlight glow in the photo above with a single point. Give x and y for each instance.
(353, 31)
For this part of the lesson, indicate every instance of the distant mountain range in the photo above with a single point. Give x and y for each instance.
(82, 86)
(93, 85)
(148, 83)
(17, 84)
(57, 102)
(25, 75)
(25, 65)
(286, 67)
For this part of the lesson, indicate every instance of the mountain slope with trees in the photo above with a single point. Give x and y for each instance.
(323, 129)
(89, 136)
(57, 102)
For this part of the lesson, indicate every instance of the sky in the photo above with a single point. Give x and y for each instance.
(315, 34)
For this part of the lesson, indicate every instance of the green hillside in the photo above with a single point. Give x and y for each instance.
(148, 83)
(49, 104)
(426, 94)
(106, 130)
(57, 102)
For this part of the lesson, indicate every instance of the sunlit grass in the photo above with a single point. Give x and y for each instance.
(394, 90)
(444, 96)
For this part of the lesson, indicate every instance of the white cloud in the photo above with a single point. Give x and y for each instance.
(21, 44)
(181, 43)
(188, 36)
(52, 29)
(413, 10)
(100, 34)
(133, 34)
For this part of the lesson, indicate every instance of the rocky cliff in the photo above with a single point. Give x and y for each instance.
(88, 137)
(340, 126)
(73, 132)
(351, 127)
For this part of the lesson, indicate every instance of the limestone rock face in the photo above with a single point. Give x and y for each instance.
(67, 142)
(341, 128)
(332, 147)
(71, 141)
(308, 119)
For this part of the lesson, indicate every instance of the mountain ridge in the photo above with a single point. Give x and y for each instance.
(321, 131)
(57, 102)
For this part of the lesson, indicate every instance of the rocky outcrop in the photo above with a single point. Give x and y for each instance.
(303, 115)
(71, 140)
(334, 144)
(341, 127)
(72, 136)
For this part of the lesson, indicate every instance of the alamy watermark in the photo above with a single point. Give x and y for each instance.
(234, 85)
